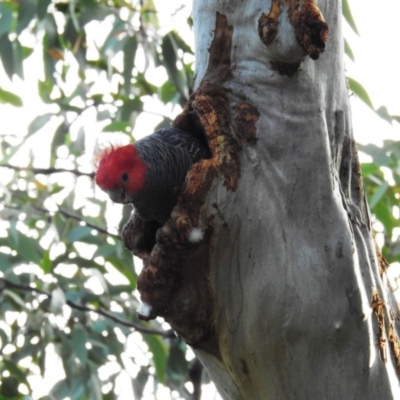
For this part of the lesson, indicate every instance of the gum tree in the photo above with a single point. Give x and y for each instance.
(285, 296)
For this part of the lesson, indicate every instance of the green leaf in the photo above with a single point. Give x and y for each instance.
(3, 338)
(129, 107)
(79, 143)
(148, 14)
(359, 90)
(9, 388)
(169, 49)
(78, 341)
(6, 55)
(95, 388)
(26, 52)
(384, 114)
(385, 216)
(118, 126)
(124, 269)
(28, 248)
(18, 54)
(60, 390)
(348, 50)
(5, 262)
(177, 365)
(13, 150)
(105, 251)
(49, 64)
(94, 12)
(46, 264)
(15, 298)
(42, 6)
(45, 89)
(348, 16)
(5, 18)
(168, 93)
(158, 348)
(56, 189)
(369, 169)
(26, 12)
(10, 98)
(181, 44)
(98, 353)
(139, 383)
(38, 123)
(59, 139)
(378, 195)
(378, 154)
(129, 49)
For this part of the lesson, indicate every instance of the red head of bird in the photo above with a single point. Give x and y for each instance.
(120, 172)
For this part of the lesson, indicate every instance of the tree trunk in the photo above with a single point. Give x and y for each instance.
(285, 296)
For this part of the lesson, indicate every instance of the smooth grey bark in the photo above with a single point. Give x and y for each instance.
(293, 263)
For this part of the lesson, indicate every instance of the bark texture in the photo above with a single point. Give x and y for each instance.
(285, 296)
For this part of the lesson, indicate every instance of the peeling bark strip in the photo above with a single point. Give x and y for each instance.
(310, 27)
(268, 24)
(174, 280)
(378, 306)
(311, 31)
(383, 264)
(394, 341)
(219, 68)
(246, 117)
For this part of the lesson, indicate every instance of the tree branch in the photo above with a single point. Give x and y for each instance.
(68, 215)
(7, 284)
(48, 171)
(78, 218)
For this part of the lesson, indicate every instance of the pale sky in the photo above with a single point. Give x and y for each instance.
(377, 66)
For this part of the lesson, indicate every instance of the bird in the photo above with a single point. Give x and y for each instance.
(150, 172)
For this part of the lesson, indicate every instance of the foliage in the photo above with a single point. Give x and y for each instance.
(382, 174)
(382, 185)
(67, 284)
(60, 257)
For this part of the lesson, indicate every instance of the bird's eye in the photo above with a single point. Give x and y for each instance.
(124, 177)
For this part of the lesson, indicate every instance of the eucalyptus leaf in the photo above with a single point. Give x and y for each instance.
(10, 98)
(26, 13)
(39, 122)
(378, 195)
(118, 126)
(28, 248)
(348, 15)
(6, 18)
(360, 91)
(42, 7)
(130, 48)
(7, 55)
(78, 341)
(159, 355)
(140, 382)
(348, 50)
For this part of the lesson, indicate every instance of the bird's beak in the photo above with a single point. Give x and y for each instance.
(118, 196)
